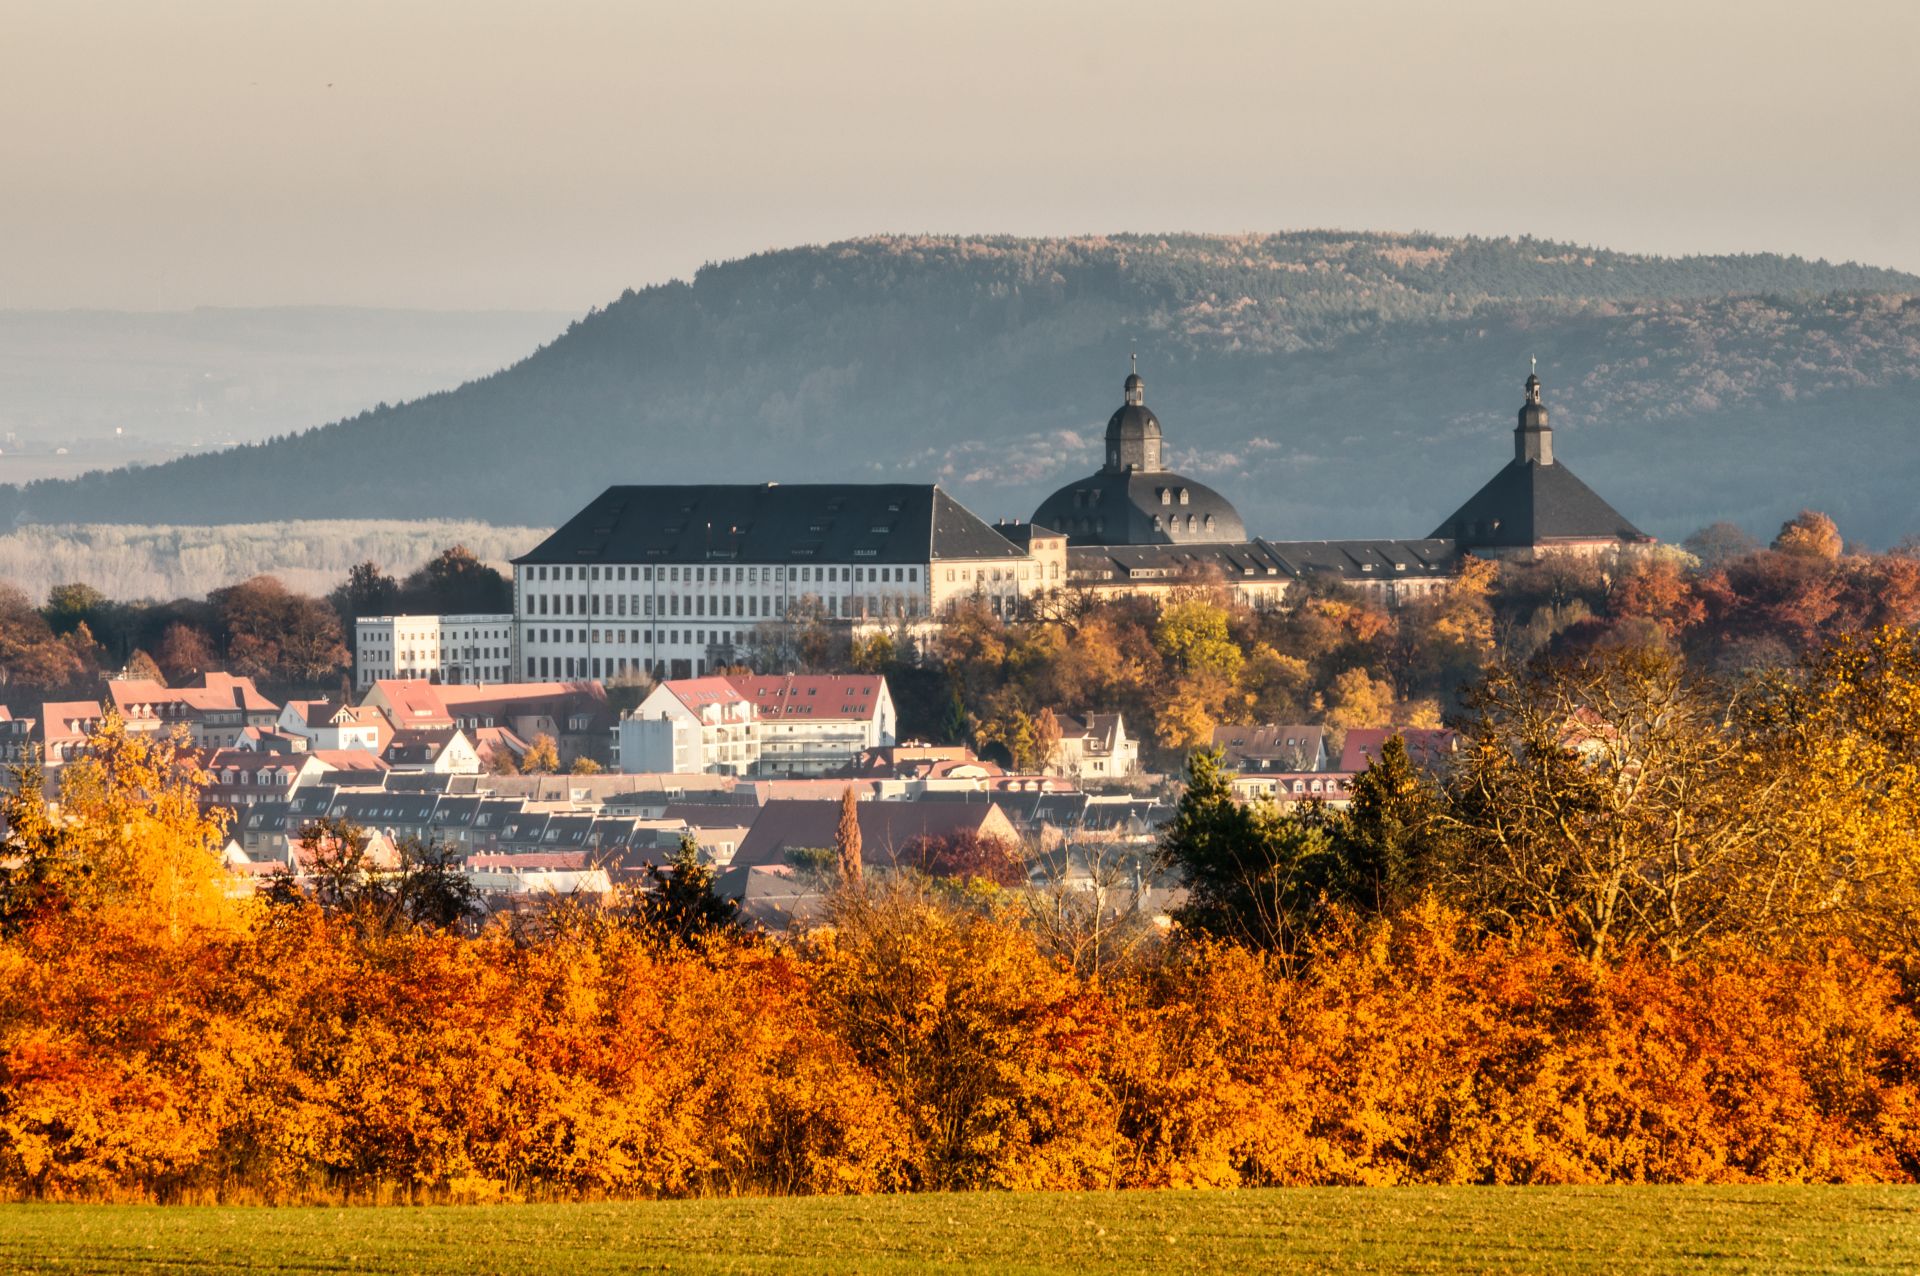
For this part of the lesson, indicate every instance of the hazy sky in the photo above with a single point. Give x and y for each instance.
(548, 153)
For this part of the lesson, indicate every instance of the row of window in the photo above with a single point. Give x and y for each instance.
(726, 575)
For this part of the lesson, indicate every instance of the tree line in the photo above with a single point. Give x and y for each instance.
(1178, 668)
(259, 628)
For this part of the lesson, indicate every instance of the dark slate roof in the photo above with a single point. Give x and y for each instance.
(1256, 559)
(772, 523)
(1527, 503)
(1110, 508)
(1366, 560)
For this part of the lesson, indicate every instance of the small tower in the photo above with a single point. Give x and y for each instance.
(1533, 438)
(1133, 433)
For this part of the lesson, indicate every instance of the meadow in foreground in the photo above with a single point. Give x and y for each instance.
(1621, 1229)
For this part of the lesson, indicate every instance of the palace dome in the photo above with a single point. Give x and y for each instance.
(1133, 499)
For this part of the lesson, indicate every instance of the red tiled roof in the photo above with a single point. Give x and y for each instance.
(1426, 746)
(811, 696)
(693, 692)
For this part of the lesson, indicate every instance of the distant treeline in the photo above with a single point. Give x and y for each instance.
(130, 563)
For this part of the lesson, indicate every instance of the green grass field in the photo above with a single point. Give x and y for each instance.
(1314, 1230)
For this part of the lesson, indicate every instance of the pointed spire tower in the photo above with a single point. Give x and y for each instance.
(1533, 437)
(1535, 506)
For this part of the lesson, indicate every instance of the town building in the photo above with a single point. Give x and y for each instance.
(1272, 747)
(215, 711)
(816, 724)
(1535, 506)
(456, 649)
(691, 724)
(1094, 747)
(676, 582)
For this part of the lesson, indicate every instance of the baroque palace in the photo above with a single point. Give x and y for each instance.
(677, 580)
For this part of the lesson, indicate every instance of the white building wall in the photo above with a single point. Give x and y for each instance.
(463, 649)
(682, 620)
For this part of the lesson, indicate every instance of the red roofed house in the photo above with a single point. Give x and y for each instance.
(575, 714)
(690, 725)
(216, 712)
(65, 726)
(246, 777)
(1428, 747)
(816, 724)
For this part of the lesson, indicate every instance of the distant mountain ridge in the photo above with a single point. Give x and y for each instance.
(1330, 384)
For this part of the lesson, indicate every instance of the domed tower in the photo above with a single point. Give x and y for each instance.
(1134, 499)
(1133, 433)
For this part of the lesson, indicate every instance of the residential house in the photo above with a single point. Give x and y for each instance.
(888, 830)
(1272, 747)
(1428, 747)
(1094, 747)
(816, 724)
(692, 724)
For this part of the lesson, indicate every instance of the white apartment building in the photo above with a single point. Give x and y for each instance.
(675, 581)
(454, 649)
(816, 724)
(689, 726)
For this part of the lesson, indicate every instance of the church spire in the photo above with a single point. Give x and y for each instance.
(1532, 437)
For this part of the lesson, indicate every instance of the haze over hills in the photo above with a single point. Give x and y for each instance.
(83, 389)
(1331, 384)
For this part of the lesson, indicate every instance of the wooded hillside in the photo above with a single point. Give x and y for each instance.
(1332, 384)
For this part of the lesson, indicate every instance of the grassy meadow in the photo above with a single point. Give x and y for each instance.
(1612, 1230)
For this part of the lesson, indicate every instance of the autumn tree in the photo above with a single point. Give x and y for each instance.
(129, 845)
(542, 756)
(31, 654)
(1809, 534)
(964, 854)
(274, 633)
(1718, 544)
(455, 581)
(141, 665)
(367, 591)
(846, 839)
(72, 605)
(185, 653)
(1046, 739)
(1607, 796)
(584, 765)
(1356, 699)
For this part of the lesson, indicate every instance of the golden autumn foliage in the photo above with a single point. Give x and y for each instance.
(917, 1045)
(161, 1039)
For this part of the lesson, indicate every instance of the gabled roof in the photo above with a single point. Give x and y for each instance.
(414, 702)
(885, 827)
(811, 697)
(1295, 743)
(1528, 504)
(698, 692)
(772, 523)
(1426, 746)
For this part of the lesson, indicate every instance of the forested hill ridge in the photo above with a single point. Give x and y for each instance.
(1331, 384)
